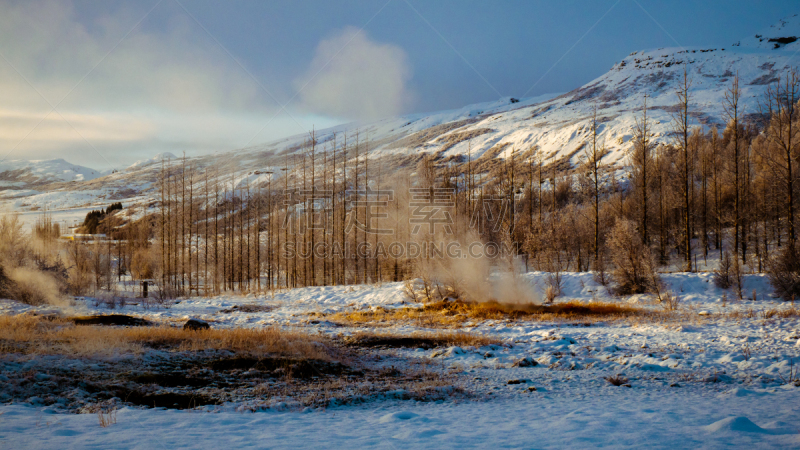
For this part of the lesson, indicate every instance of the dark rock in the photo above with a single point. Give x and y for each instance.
(196, 324)
(526, 362)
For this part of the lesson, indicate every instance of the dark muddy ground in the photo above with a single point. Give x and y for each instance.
(366, 371)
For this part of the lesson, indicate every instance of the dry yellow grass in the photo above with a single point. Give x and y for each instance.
(773, 313)
(453, 314)
(107, 418)
(36, 335)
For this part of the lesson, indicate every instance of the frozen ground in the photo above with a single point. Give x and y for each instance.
(715, 374)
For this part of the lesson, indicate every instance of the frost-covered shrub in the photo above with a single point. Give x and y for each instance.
(28, 273)
(551, 292)
(670, 302)
(634, 267)
(143, 264)
(722, 276)
(784, 273)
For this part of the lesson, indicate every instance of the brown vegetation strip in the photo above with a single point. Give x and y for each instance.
(443, 314)
(37, 335)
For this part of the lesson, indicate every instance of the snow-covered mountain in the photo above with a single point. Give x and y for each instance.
(36, 172)
(558, 124)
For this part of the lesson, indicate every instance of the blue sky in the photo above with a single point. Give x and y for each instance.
(104, 83)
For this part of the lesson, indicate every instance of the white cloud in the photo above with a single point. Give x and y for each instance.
(179, 68)
(352, 76)
(166, 87)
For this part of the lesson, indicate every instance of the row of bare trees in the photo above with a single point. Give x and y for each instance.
(303, 224)
(737, 183)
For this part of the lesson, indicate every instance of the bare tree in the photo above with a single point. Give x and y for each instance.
(782, 133)
(595, 173)
(681, 125)
(641, 159)
(731, 105)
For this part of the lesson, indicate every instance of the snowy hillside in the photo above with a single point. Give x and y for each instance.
(154, 160)
(560, 125)
(21, 172)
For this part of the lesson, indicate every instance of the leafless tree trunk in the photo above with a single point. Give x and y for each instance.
(681, 121)
(640, 161)
(593, 156)
(782, 133)
(732, 112)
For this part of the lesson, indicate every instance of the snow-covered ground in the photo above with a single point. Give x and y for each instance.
(719, 373)
(623, 418)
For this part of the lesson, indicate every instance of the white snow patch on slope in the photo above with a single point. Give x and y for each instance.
(165, 156)
(780, 36)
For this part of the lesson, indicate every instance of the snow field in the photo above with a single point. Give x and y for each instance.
(628, 418)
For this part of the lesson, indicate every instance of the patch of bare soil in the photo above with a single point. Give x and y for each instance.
(111, 319)
(418, 340)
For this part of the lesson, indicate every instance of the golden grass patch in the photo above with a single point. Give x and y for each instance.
(30, 334)
(455, 313)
